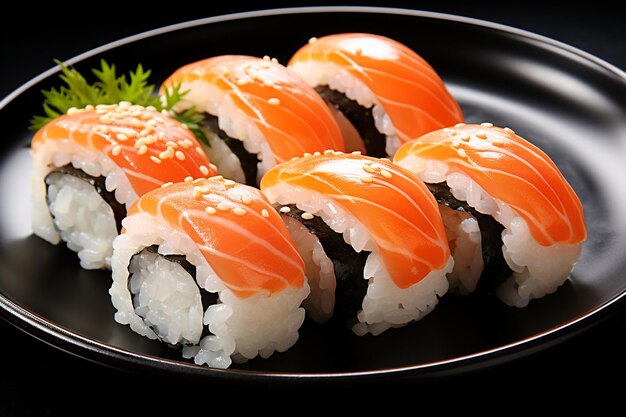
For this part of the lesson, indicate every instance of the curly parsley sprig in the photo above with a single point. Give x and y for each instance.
(109, 88)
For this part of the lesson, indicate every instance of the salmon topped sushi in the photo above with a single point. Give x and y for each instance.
(370, 233)
(209, 265)
(91, 164)
(504, 198)
(257, 113)
(383, 93)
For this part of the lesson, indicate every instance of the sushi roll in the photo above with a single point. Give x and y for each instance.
(209, 265)
(513, 221)
(383, 93)
(370, 234)
(257, 113)
(91, 164)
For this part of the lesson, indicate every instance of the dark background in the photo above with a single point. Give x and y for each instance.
(40, 380)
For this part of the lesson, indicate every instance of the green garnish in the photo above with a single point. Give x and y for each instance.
(109, 88)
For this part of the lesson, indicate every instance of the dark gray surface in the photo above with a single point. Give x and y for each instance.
(587, 357)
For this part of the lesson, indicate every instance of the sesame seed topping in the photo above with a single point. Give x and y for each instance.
(465, 136)
(359, 51)
(151, 122)
(165, 154)
(316, 154)
(508, 129)
(306, 154)
(284, 209)
(306, 215)
(165, 112)
(199, 150)
(180, 156)
(456, 143)
(328, 152)
(246, 199)
(356, 152)
(155, 159)
(264, 64)
(229, 183)
(462, 153)
(239, 211)
(385, 173)
(366, 178)
(368, 162)
(210, 210)
(368, 168)
(216, 178)
(274, 101)
(312, 39)
(223, 207)
(274, 60)
(459, 125)
(142, 149)
(204, 170)
(243, 81)
(116, 150)
(481, 135)
(486, 124)
(188, 179)
(72, 110)
(212, 166)
(497, 141)
(265, 213)
(266, 58)
(198, 181)
(121, 136)
(124, 104)
(144, 132)
(167, 184)
(225, 70)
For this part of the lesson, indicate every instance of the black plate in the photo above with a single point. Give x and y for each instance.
(569, 103)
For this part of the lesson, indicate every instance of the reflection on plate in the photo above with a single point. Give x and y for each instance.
(570, 104)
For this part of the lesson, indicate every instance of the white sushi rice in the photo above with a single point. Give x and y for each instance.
(385, 305)
(167, 298)
(233, 121)
(84, 220)
(337, 78)
(72, 225)
(537, 270)
(241, 328)
(465, 244)
(320, 271)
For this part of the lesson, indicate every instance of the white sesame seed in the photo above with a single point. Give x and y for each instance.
(359, 51)
(312, 39)
(366, 178)
(188, 179)
(368, 168)
(486, 124)
(306, 154)
(229, 183)
(264, 65)
(316, 154)
(274, 60)
(121, 136)
(497, 141)
(508, 129)
(180, 156)
(223, 207)
(481, 135)
(199, 150)
(274, 101)
(142, 149)
(465, 136)
(246, 199)
(212, 166)
(73, 110)
(155, 159)
(385, 173)
(356, 152)
(210, 210)
(116, 150)
(243, 81)
(459, 125)
(144, 132)
(239, 211)
(167, 184)
(204, 170)
(284, 209)
(198, 181)
(266, 58)
(165, 112)
(152, 122)
(295, 158)
(216, 178)
(165, 154)
(328, 152)
(265, 213)
(456, 143)
(306, 215)
(462, 153)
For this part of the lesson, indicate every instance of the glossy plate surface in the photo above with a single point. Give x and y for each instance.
(569, 103)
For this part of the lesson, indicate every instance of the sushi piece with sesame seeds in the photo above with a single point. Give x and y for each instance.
(257, 113)
(91, 164)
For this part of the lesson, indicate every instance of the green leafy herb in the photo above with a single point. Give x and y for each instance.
(109, 88)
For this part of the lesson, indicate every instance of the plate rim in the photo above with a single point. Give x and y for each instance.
(94, 350)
